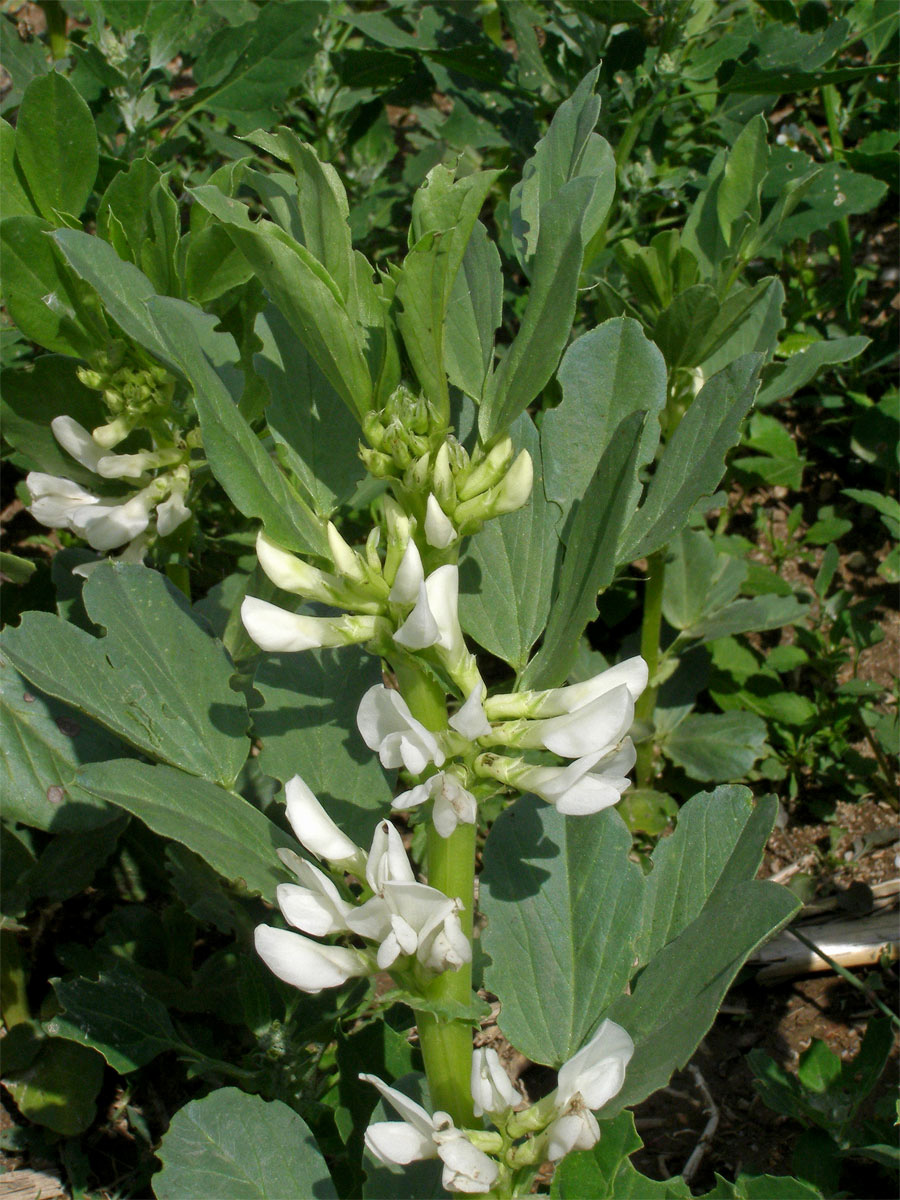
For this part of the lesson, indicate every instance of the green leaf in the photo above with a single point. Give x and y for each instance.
(318, 437)
(693, 461)
(235, 453)
(127, 200)
(508, 569)
(569, 150)
(23, 60)
(745, 169)
(235, 1146)
(605, 375)
(444, 214)
(69, 861)
(59, 1088)
(474, 312)
(742, 616)
(113, 1014)
(48, 302)
(718, 842)
(304, 292)
(716, 746)
(748, 322)
(123, 287)
(15, 569)
(156, 679)
(321, 206)
(245, 71)
(589, 563)
(783, 380)
(531, 360)
(56, 145)
(563, 904)
(681, 330)
(32, 398)
(235, 838)
(698, 580)
(604, 1173)
(308, 728)
(675, 998)
(17, 200)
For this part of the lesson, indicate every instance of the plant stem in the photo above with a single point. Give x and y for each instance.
(56, 28)
(845, 974)
(446, 1045)
(651, 625)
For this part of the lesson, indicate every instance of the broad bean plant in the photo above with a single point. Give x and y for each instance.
(404, 636)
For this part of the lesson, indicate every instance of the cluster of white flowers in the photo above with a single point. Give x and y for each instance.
(110, 522)
(474, 1159)
(413, 928)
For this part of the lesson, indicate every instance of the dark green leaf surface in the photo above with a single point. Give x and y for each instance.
(308, 728)
(231, 835)
(563, 906)
(605, 375)
(235, 453)
(157, 679)
(113, 1014)
(693, 460)
(507, 573)
(235, 1146)
(589, 564)
(56, 145)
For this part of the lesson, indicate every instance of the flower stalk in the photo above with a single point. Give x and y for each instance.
(446, 1045)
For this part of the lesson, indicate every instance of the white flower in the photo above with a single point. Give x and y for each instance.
(173, 511)
(76, 440)
(492, 1090)
(413, 919)
(420, 629)
(306, 964)
(453, 804)
(387, 861)
(595, 728)
(273, 628)
(557, 701)
(420, 1136)
(317, 907)
(108, 524)
(409, 578)
(54, 500)
(388, 727)
(347, 562)
(587, 1081)
(439, 531)
(470, 720)
(435, 621)
(586, 785)
(317, 831)
(292, 574)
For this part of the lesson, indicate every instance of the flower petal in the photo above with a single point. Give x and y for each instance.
(395, 1142)
(306, 964)
(315, 829)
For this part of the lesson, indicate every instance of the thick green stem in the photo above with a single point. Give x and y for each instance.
(446, 1045)
(651, 625)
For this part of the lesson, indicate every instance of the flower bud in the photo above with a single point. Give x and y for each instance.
(442, 477)
(487, 472)
(275, 629)
(439, 531)
(346, 561)
(110, 435)
(293, 574)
